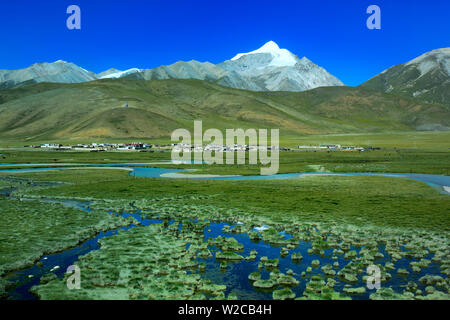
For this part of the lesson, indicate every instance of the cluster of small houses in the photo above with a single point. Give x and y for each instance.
(180, 147)
(337, 147)
(95, 147)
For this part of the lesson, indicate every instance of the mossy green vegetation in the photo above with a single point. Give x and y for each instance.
(265, 283)
(388, 294)
(231, 256)
(317, 289)
(227, 244)
(296, 257)
(354, 291)
(31, 229)
(367, 238)
(128, 266)
(254, 276)
(283, 294)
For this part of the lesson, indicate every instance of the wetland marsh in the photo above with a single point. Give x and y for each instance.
(156, 238)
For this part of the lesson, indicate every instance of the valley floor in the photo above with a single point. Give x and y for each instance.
(221, 239)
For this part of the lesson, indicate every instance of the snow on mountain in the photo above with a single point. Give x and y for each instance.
(120, 74)
(280, 57)
(107, 72)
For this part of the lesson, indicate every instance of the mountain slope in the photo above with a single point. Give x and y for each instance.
(181, 70)
(426, 78)
(95, 110)
(56, 72)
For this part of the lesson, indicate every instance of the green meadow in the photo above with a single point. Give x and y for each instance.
(377, 201)
(394, 208)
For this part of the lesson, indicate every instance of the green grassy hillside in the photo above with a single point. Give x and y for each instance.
(96, 110)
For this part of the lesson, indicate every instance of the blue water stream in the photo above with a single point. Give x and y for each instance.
(438, 182)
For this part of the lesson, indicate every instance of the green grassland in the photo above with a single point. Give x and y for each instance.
(357, 200)
(39, 156)
(423, 140)
(393, 161)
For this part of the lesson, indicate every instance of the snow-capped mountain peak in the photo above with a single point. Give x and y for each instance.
(269, 47)
(280, 57)
(121, 74)
(270, 68)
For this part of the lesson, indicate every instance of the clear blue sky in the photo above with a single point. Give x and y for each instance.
(149, 33)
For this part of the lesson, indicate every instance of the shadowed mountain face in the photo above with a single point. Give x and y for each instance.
(155, 108)
(426, 78)
(267, 69)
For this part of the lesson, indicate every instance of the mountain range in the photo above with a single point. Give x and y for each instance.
(58, 72)
(61, 101)
(267, 69)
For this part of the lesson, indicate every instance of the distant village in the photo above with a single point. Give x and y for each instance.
(179, 147)
(146, 147)
(336, 147)
(98, 147)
